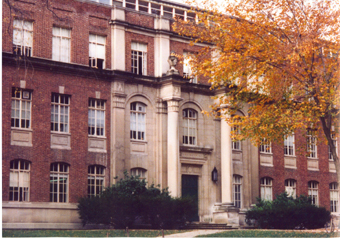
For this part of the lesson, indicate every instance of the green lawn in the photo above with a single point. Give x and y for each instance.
(86, 233)
(271, 233)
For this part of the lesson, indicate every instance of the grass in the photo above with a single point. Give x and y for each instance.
(271, 233)
(86, 233)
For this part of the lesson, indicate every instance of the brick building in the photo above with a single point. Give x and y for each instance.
(87, 93)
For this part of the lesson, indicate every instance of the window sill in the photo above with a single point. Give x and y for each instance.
(21, 137)
(289, 156)
(308, 158)
(195, 148)
(60, 140)
(139, 140)
(264, 153)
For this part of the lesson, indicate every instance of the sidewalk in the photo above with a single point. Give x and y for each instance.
(193, 233)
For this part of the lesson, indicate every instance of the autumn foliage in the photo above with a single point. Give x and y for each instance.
(280, 58)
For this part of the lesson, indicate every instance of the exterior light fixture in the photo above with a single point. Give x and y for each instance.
(214, 175)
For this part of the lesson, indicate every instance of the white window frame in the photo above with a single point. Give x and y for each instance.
(22, 37)
(59, 193)
(334, 197)
(237, 191)
(21, 108)
(189, 126)
(236, 145)
(95, 180)
(312, 148)
(97, 51)
(138, 121)
(266, 188)
(141, 172)
(266, 146)
(96, 118)
(60, 119)
(139, 58)
(289, 145)
(187, 71)
(19, 181)
(108, 2)
(290, 187)
(330, 156)
(313, 192)
(61, 44)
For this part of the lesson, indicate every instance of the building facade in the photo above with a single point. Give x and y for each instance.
(88, 93)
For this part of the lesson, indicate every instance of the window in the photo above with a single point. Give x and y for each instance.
(265, 146)
(21, 108)
(59, 182)
(137, 121)
(313, 192)
(311, 144)
(236, 145)
(290, 187)
(334, 196)
(189, 126)
(289, 145)
(60, 113)
(141, 172)
(96, 117)
(95, 180)
(237, 190)
(187, 71)
(330, 156)
(97, 51)
(19, 180)
(138, 58)
(22, 37)
(266, 189)
(61, 44)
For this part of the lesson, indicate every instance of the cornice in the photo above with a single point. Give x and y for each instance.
(72, 69)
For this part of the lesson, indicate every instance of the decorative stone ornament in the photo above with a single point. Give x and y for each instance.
(172, 60)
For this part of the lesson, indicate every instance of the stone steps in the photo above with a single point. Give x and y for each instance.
(201, 225)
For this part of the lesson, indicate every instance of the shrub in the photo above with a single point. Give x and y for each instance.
(130, 199)
(287, 213)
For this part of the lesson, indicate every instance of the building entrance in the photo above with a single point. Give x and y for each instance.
(190, 189)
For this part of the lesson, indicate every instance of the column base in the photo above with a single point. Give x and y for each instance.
(226, 213)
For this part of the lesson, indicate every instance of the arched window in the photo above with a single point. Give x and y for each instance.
(290, 187)
(313, 192)
(266, 189)
(19, 180)
(141, 172)
(59, 182)
(189, 126)
(137, 120)
(237, 191)
(334, 196)
(95, 180)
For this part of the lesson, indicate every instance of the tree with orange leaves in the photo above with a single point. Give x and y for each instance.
(281, 57)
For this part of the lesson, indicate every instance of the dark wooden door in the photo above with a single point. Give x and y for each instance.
(190, 189)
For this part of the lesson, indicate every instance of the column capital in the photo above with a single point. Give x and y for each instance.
(173, 105)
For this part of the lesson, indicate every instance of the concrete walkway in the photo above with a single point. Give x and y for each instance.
(193, 233)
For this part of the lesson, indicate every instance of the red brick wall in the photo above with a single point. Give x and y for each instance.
(139, 19)
(302, 176)
(82, 18)
(133, 37)
(41, 155)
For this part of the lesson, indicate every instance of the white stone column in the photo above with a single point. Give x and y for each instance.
(226, 162)
(117, 40)
(162, 47)
(173, 148)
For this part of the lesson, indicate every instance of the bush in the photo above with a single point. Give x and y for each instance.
(130, 199)
(287, 213)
